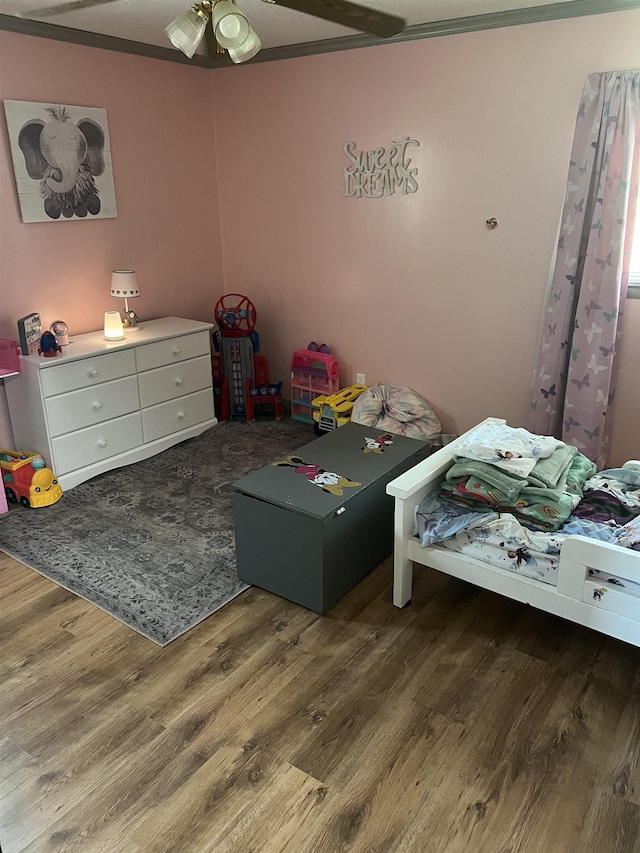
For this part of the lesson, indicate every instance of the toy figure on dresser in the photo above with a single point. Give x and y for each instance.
(130, 320)
(60, 331)
(48, 345)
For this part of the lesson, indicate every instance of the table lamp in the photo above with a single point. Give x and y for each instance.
(125, 285)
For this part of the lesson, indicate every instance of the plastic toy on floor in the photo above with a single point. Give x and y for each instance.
(236, 340)
(241, 383)
(27, 479)
(334, 410)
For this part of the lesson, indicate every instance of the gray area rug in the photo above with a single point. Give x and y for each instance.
(153, 544)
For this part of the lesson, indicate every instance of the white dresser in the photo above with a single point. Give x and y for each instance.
(102, 404)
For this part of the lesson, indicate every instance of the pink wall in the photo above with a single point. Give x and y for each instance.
(163, 147)
(411, 290)
(414, 290)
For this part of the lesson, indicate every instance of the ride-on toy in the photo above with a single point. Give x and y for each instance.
(27, 479)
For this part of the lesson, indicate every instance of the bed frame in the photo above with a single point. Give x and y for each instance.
(615, 612)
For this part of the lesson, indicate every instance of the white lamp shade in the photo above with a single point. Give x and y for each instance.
(250, 46)
(230, 26)
(186, 31)
(113, 330)
(124, 284)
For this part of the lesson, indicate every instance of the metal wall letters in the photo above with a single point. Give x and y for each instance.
(372, 174)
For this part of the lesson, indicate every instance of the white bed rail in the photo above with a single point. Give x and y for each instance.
(408, 490)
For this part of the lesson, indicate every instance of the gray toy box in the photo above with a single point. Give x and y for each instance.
(311, 525)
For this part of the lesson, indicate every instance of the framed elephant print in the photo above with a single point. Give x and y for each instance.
(62, 161)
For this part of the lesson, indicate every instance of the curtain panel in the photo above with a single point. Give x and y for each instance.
(575, 374)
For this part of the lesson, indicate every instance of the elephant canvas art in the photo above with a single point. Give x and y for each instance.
(62, 161)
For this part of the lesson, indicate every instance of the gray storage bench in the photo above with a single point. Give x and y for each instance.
(311, 525)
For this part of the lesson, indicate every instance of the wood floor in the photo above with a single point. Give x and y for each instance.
(464, 723)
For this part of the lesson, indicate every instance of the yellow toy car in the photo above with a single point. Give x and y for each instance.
(26, 479)
(333, 411)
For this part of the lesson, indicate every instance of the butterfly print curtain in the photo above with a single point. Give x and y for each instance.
(575, 374)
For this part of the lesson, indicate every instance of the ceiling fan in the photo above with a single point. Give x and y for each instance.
(230, 30)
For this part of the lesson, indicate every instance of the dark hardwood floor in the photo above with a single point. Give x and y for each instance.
(465, 723)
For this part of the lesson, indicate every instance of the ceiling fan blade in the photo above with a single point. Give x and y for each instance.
(50, 11)
(349, 15)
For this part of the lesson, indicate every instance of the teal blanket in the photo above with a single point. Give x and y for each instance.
(543, 500)
(549, 472)
(490, 484)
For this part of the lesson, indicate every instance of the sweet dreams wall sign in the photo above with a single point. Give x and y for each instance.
(381, 171)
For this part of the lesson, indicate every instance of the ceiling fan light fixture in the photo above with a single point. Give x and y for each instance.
(230, 26)
(247, 50)
(187, 31)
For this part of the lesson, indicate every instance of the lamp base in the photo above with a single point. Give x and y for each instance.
(130, 321)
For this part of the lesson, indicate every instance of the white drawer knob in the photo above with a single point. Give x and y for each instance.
(103, 442)
(179, 380)
(182, 415)
(94, 372)
(97, 406)
(176, 350)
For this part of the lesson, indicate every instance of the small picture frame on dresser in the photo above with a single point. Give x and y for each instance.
(29, 332)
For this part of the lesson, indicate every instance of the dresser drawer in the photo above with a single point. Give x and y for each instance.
(87, 372)
(79, 409)
(177, 415)
(88, 446)
(175, 380)
(149, 356)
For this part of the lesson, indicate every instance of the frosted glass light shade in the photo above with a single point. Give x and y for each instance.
(230, 26)
(249, 47)
(113, 326)
(187, 31)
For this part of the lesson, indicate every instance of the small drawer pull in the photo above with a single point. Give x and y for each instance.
(98, 407)
(176, 350)
(103, 442)
(182, 415)
(179, 380)
(94, 372)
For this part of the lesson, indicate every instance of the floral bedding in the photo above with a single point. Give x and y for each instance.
(609, 511)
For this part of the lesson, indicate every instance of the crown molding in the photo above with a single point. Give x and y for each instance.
(474, 23)
(70, 35)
